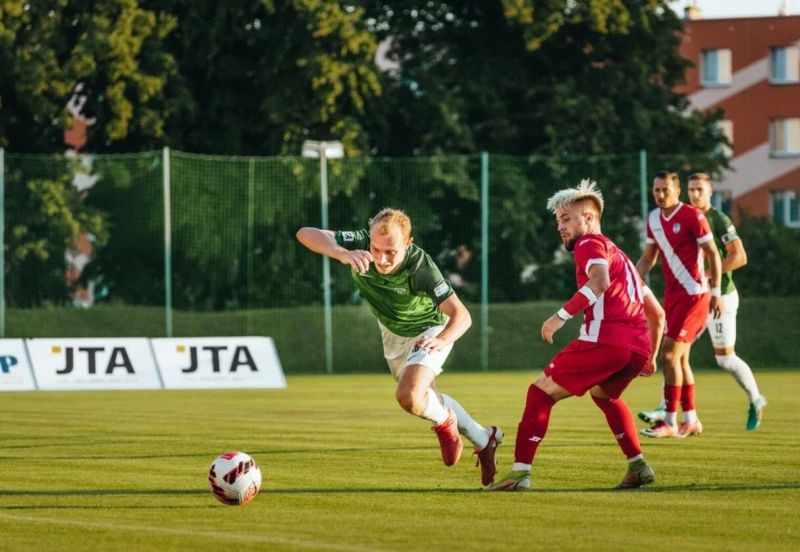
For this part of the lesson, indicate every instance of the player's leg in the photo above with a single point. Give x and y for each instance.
(416, 396)
(532, 428)
(723, 337)
(691, 424)
(670, 360)
(608, 398)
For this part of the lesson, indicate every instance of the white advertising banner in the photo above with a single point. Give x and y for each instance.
(218, 362)
(93, 363)
(15, 372)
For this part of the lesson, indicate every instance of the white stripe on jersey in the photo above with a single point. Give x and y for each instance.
(597, 261)
(594, 326)
(680, 272)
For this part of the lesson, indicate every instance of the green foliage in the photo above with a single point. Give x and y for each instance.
(43, 218)
(113, 48)
(772, 258)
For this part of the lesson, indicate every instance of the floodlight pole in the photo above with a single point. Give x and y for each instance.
(324, 150)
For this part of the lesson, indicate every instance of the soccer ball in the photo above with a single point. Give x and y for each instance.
(234, 478)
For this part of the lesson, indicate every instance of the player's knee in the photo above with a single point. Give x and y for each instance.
(410, 401)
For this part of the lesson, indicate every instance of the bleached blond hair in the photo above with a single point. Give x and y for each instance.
(587, 189)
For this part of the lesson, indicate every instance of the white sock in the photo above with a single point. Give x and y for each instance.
(690, 416)
(741, 372)
(467, 426)
(516, 466)
(671, 418)
(434, 411)
(636, 458)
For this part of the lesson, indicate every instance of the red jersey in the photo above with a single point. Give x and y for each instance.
(679, 237)
(617, 318)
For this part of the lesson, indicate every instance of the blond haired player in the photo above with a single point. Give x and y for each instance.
(419, 316)
(614, 345)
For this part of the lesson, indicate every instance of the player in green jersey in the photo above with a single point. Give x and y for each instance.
(419, 316)
(723, 329)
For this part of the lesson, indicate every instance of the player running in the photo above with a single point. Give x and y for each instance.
(723, 330)
(681, 235)
(419, 316)
(613, 348)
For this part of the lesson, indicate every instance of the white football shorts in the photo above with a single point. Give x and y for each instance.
(400, 351)
(723, 329)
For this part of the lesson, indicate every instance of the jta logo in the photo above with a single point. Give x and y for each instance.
(118, 359)
(241, 357)
(6, 362)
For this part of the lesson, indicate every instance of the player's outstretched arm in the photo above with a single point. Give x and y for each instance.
(459, 321)
(647, 260)
(656, 320)
(323, 242)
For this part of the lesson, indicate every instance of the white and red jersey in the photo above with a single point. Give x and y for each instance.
(617, 318)
(679, 237)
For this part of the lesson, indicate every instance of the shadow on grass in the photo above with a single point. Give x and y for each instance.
(705, 487)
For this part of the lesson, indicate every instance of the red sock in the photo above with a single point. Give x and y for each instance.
(620, 420)
(687, 397)
(672, 396)
(533, 426)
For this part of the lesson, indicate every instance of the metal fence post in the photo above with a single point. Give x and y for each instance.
(165, 175)
(485, 261)
(2, 243)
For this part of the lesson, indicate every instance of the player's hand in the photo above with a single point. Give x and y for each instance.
(431, 343)
(358, 259)
(650, 368)
(551, 326)
(716, 307)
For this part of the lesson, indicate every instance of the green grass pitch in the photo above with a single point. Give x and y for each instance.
(345, 469)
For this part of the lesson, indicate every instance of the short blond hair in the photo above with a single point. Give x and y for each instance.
(387, 217)
(586, 190)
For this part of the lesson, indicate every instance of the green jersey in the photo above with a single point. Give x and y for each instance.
(724, 233)
(407, 300)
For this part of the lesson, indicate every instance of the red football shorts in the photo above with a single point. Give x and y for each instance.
(582, 364)
(686, 315)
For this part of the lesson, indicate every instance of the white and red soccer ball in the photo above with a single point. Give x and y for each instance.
(234, 478)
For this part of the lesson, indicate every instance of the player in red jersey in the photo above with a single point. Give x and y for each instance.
(613, 348)
(681, 235)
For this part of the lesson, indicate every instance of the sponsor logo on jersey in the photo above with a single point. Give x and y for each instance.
(348, 236)
(676, 227)
(441, 289)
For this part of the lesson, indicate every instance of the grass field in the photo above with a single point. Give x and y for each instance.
(344, 469)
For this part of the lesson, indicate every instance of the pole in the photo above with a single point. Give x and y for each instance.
(2, 243)
(251, 222)
(165, 175)
(643, 199)
(485, 261)
(326, 262)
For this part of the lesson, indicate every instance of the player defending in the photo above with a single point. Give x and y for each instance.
(613, 346)
(679, 232)
(419, 316)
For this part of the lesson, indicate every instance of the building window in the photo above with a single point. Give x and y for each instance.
(726, 129)
(722, 201)
(786, 208)
(784, 137)
(784, 65)
(715, 67)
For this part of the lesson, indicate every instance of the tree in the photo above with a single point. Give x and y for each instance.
(113, 48)
(260, 77)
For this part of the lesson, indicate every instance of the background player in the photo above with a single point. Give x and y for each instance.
(680, 232)
(723, 330)
(613, 347)
(419, 316)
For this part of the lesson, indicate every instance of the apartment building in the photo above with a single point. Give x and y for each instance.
(750, 68)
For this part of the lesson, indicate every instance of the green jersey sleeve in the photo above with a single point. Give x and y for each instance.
(352, 239)
(727, 231)
(427, 278)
